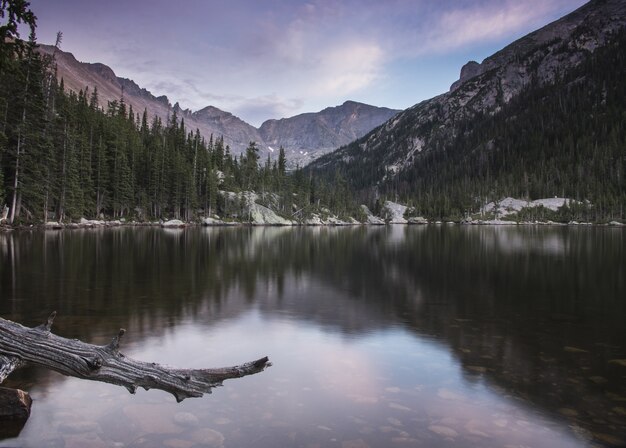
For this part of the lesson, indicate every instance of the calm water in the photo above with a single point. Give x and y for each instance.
(395, 336)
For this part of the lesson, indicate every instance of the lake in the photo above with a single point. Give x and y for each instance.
(439, 335)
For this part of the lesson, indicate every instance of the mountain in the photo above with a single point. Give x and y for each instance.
(304, 137)
(210, 120)
(541, 117)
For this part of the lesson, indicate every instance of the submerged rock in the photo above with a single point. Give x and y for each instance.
(568, 412)
(609, 439)
(151, 419)
(79, 427)
(186, 419)
(208, 437)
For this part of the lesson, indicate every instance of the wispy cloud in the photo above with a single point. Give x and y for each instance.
(349, 68)
(259, 109)
(463, 26)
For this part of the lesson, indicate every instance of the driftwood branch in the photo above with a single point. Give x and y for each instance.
(20, 345)
(7, 365)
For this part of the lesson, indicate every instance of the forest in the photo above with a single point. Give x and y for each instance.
(64, 157)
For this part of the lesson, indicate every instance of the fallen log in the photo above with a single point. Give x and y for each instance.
(38, 346)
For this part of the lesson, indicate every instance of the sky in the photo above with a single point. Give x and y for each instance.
(262, 59)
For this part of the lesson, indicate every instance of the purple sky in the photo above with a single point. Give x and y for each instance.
(277, 58)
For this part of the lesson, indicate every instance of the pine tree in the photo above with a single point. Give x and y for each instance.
(282, 161)
(250, 167)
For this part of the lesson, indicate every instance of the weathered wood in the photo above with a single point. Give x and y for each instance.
(7, 365)
(75, 358)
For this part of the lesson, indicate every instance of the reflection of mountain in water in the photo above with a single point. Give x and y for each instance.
(536, 311)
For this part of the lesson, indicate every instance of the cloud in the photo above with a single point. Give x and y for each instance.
(310, 49)
(253, 109)
(349, 68)
(476, 22)
(258, 109)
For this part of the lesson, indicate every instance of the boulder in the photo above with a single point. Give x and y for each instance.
(261, 215)
(371, 218)
(53, 225)
(14, 411)
(418, 220)
(173, 223)
(395, 212)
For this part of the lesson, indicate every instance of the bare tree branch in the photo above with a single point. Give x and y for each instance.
(38, 346)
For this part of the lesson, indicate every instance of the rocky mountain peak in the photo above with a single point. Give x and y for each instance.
(307, 136)
(584, 30)
(468, 71)
(212, 112)
(103, 70)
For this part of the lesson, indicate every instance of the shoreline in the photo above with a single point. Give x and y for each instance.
(55, 226)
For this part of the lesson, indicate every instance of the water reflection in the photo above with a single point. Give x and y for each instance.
(415, 335)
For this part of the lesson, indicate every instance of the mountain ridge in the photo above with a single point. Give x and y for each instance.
(332, 127)
(311, 137)
(410, 154)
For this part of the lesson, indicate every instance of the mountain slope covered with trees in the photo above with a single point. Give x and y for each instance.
(544, 117)
(63, 157)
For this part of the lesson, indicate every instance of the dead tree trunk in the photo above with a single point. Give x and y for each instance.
(21, 345)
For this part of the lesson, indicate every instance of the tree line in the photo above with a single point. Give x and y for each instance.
(63, 156)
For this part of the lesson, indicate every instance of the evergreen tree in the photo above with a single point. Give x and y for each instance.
(250, 167)
(282, 161)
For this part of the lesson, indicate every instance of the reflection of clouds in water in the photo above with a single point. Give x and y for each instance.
(346, 372)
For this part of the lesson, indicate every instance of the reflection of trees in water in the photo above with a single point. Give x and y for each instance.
(539, 311)
(134, 276)
(507, 300)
